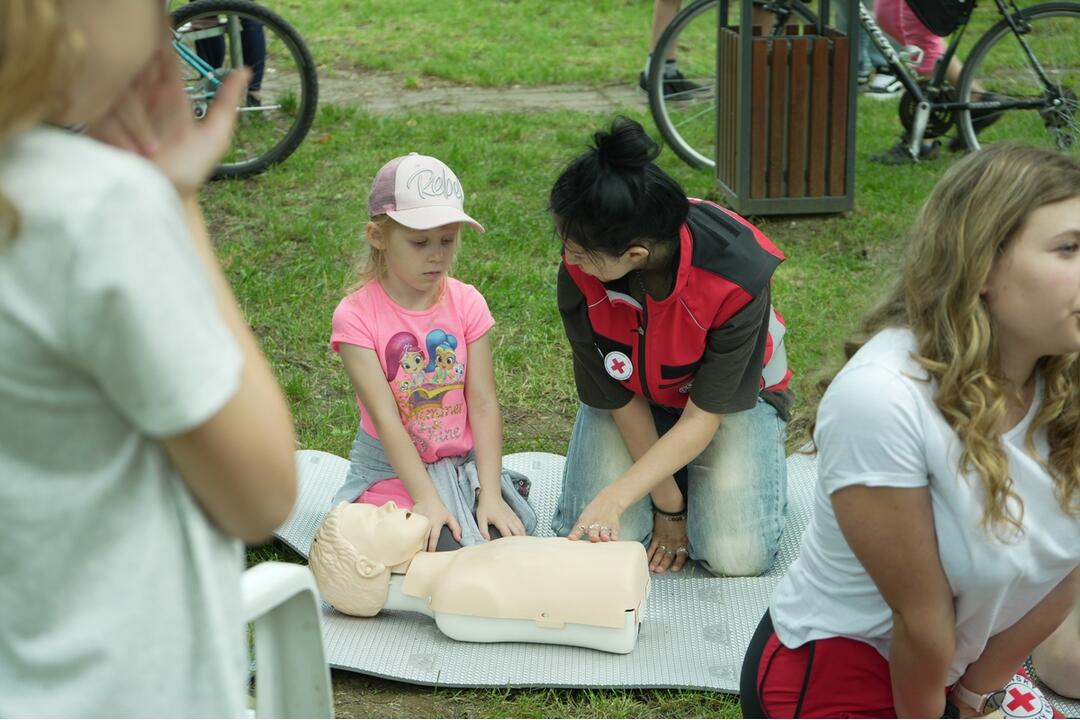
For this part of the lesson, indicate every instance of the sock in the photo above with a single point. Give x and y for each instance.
(648, 62)
(671, 68)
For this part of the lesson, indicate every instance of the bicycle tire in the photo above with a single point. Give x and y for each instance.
(997, 65)
(296, 124)
(688, 125)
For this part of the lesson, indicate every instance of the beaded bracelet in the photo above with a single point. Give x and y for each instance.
(672, 516)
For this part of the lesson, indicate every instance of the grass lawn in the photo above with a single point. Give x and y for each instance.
(289, 237)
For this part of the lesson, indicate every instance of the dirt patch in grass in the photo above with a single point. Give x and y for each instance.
(362, 696)
(386, 92)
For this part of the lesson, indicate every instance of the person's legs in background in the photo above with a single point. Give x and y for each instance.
(675, 84)
(252, 47)
(898, 20)
(876, 78)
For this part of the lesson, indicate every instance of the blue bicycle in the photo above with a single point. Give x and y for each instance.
(211, 38)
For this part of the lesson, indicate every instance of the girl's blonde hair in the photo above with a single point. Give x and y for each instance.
(372, 262)
(976, 209)
(38, 53)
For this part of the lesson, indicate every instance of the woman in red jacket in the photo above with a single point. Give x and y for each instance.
(679, 363)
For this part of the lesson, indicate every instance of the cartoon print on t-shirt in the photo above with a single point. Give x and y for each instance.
(403, 351)
(420, 394)
(445, 360)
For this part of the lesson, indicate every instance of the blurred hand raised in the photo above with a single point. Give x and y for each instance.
(154, 119)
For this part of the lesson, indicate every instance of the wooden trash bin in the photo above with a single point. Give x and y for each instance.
(786, 119)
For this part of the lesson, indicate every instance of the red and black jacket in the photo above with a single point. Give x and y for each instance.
(724, 264)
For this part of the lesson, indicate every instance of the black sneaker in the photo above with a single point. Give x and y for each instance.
(676, 87)
(899, 154)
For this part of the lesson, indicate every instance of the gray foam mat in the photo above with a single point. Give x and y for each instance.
(695, 630)
(694, 634)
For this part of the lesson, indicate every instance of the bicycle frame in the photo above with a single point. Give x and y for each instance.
(937, 79)
(207, 72)
(196, 62)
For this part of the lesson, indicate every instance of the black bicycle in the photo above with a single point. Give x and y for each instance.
(211, 38)
(1020, 80)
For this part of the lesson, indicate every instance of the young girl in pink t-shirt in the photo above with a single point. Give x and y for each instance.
(414, 343)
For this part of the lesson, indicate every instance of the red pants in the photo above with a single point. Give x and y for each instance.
(840, 678)
(834, 677)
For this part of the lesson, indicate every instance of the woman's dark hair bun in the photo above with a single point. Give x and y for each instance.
(626, 146)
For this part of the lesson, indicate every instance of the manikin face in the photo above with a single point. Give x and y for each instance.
(604, 268)
(387, 534)
(120, 36)
(417, 261)
(1033, 290)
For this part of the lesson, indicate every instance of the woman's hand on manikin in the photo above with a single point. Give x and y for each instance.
(437, 514)
(599, 522)
(153, 118)
(492, 510)
(667, 550)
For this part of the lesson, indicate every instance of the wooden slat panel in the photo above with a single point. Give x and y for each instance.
(798, 107)
(819, 96)
(838, 112)
(777, 115)
(758, 118)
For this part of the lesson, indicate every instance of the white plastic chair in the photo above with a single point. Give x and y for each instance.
(292, 679)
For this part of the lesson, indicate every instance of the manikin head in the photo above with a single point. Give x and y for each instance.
(356, 549)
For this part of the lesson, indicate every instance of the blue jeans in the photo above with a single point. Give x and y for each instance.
(737, 488)
(869, 55)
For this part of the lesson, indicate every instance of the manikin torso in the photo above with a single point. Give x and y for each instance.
(524, 589)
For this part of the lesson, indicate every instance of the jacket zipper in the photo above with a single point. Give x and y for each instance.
(643, 373)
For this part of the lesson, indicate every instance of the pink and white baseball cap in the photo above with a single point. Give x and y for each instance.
(420, 192)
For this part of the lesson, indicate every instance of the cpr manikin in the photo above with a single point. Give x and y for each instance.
(514, 589)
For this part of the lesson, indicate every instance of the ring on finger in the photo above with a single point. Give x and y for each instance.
(681, 551)
(594, 526)
(668, 552)
(604, 529)
(582, 529)
(662, 548)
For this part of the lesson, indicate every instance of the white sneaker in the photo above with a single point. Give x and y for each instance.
(884, 87)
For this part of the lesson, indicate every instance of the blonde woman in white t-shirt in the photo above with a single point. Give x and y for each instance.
(142, 433)
(946, 533)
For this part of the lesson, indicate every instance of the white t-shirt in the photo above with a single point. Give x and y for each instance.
(878, 426)
(118, 597)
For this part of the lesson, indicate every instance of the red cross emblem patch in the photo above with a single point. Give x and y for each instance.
(1023, 700)
(618, 365)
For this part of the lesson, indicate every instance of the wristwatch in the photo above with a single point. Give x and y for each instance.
(979, 703)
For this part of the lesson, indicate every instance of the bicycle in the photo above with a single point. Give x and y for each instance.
(212, 37)
(1027, 61)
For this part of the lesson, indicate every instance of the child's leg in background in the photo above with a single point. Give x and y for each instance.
(898, 20)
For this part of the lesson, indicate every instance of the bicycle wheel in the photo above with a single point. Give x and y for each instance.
(214, 36)
(998, 68)
(687, 118)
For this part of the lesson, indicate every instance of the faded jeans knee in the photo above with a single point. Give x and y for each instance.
(737, 507)
(596, 457)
